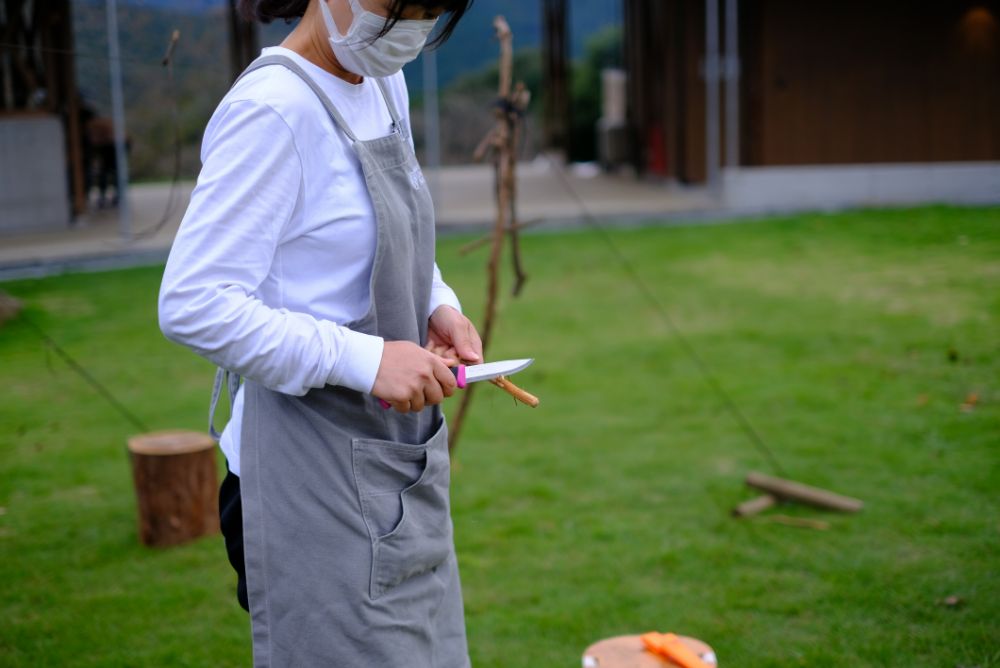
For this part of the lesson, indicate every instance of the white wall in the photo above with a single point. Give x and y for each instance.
(838, 186)
(33, 174)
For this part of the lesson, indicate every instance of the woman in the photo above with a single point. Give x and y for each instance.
(305, 264)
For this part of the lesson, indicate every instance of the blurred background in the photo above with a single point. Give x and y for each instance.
(765, 104)
(764, 236)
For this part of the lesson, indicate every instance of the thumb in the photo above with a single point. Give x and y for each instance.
(465, 345)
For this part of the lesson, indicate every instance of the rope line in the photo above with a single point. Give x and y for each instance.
(81, 371)
(651, 299)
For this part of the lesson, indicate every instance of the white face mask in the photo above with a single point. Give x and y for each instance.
(361, 53)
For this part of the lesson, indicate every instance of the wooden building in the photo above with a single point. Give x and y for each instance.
(777, 83)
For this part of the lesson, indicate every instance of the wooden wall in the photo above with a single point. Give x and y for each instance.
(664, 50)
(830, 81)
(823, 82)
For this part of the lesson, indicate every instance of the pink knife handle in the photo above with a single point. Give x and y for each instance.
(459, 372)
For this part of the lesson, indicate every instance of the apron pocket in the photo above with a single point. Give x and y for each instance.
(403, 490)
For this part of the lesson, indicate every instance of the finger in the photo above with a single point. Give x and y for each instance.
(445, 352)
(401, 406)
(467, 351)
(469, 345)
(433, 394)
(417, 400)
(446, 378)
(450, 357)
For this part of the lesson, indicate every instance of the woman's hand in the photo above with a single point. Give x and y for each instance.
(411, 378)
(452, 337)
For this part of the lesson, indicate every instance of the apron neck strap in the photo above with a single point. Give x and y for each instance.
(285, 61)
(396, 123)
(290, 64)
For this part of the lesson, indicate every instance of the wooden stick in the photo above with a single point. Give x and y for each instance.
(514, 119)
(513, 390)
(755, 506)
(504, 177)
(795, 491)
(482, 241)
(490, 140)
(506, 38)
(174, 38)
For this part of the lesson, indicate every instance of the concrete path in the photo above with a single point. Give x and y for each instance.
(463, 197)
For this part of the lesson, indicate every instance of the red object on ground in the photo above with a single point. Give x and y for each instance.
(656, 147)
(670, 647)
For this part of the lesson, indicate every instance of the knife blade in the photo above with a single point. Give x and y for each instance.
(477, 372)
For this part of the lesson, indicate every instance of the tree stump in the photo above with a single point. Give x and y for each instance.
(176, 486)
(628, 652)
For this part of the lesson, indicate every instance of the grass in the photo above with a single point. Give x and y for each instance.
(850, 341)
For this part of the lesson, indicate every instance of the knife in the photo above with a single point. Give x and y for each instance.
(477, 372)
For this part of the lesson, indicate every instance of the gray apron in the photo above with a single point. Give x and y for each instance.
(347, 529)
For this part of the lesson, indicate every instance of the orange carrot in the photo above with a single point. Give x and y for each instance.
(670, 647)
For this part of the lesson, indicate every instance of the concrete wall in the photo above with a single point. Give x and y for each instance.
(33, 178)
(839, 186)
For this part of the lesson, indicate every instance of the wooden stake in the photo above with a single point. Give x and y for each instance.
(502, 139)
(795, 491)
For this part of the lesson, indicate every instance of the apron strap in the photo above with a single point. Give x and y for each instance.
(397, 124)
(287, 62)
(232, 382)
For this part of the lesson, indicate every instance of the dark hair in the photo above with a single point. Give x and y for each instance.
(266, 11)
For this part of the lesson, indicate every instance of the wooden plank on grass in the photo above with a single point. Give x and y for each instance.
(796, 491)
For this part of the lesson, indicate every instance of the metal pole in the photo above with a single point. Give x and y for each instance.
(732, 84)
(432, 121)
(712, 93)
(118, 116)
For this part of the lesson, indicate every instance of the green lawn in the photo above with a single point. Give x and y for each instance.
(850, 341)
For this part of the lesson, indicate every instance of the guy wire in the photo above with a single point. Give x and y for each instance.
(129, 416)
(662, 311)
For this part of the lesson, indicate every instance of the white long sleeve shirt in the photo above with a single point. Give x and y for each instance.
(275, 250)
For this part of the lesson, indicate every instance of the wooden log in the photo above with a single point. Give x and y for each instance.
(756, 505)
(176, 486)
(796, 491)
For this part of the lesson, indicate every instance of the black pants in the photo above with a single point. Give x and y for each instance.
(231, 522)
